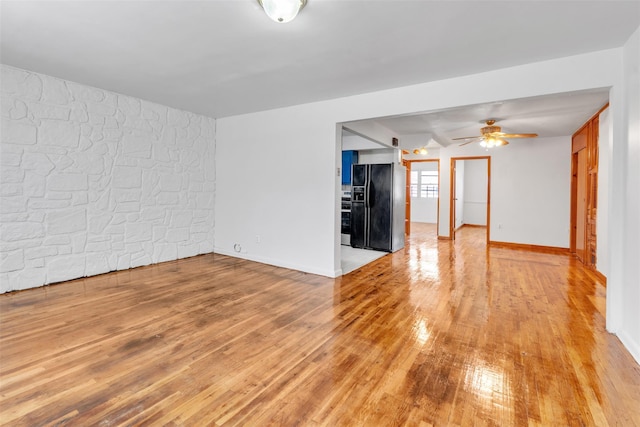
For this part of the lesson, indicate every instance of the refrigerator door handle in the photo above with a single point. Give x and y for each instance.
(367, 227)
(367, 194)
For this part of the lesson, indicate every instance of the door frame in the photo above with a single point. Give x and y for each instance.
(408, 163)
(452, 181)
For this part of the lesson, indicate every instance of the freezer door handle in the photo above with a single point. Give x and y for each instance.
(367, 190)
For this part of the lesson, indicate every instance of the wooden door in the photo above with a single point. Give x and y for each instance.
(581, 204)
(592, 193)
(584, 191)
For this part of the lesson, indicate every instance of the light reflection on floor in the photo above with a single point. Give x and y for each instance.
(488, 382)
(424, 260)
(422, 333)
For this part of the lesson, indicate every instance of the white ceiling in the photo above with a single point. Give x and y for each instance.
(225, 57)
(548, 116)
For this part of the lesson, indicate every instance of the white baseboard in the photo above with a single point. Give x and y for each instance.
(278, 263)
(631, 345)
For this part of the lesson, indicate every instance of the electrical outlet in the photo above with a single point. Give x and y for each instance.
(499, 225)
(257, 238)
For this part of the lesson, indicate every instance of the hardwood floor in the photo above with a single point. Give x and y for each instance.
(440, 333)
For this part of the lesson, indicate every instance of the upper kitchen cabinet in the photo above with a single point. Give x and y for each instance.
(348, 158)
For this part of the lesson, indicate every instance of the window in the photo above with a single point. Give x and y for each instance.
(429, 184)
(426, 182)
(414, 183)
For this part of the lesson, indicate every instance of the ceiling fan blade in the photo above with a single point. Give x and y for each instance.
(468, 142)
(466, 137)
(517, 135)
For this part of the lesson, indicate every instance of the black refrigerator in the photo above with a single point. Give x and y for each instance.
(378, 206)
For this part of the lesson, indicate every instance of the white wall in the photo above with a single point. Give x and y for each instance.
(93, 181)
(357, 142)
(377, 156)
(530, 200)
(623, 282)
(530, 190)
(298, 171)
(602, 215)
(287, 192)
(475, 191)
(424, 209)
(630, 333)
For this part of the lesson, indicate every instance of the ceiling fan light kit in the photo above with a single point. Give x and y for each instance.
(491, 142)
(492, 136)
(282, 11)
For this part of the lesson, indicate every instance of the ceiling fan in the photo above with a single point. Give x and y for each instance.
(492, 136)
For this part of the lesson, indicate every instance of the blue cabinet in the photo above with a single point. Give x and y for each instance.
(348, 158)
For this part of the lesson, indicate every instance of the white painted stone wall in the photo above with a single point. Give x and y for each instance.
(92, 181)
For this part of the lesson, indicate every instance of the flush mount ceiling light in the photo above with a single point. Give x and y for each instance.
(422, 151)
(282, 11)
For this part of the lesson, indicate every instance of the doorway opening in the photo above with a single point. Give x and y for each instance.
(470, 195)
(356, 149)
(422, 193)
